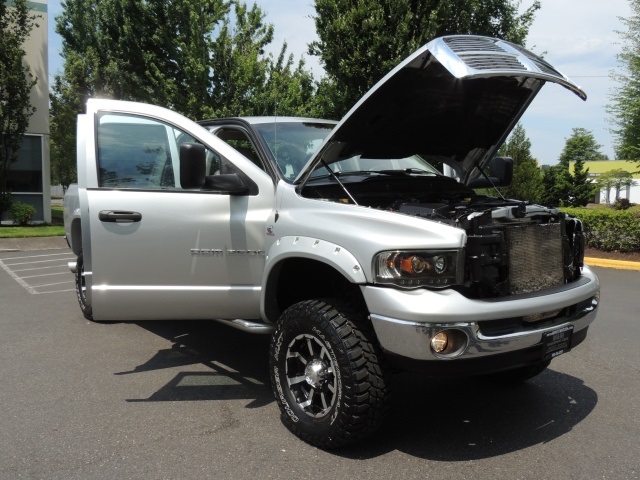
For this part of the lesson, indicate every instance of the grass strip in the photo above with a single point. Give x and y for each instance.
(32, 231)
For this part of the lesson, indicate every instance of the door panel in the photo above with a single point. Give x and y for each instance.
(159, 251)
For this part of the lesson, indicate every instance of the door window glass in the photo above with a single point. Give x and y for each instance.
(240, 141)
(142, 153)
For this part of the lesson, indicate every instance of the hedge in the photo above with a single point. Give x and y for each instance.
(610, 230)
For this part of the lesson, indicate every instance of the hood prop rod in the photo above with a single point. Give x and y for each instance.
(335, 177)
(490, 181)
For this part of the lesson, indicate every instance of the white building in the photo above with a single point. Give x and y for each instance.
(29, 177)
(597, 168)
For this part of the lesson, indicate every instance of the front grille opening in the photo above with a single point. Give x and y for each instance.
(535, 257)
(521, 258)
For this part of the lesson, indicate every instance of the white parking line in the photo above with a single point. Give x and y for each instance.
(18, 279)
(46, 275)
(39, 263)
(39, 268)
(56, 283)
(38, 256)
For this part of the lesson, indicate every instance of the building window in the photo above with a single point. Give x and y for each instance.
(25, 174)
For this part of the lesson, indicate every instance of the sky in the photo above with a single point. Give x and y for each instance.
(578, 37)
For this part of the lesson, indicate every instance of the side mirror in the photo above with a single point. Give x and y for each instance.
(229, 183)
(193, 165)
(499, 170)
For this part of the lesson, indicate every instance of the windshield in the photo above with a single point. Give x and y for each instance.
(292, 144)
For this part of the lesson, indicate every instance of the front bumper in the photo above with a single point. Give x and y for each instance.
(405, 321)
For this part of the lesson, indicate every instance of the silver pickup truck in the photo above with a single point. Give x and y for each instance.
(360, 247)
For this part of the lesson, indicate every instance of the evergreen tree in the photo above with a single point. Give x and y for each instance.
(582, 190)
(361, 40)
(561, 186)
(16, 82)
(527, 178)
(556, 183)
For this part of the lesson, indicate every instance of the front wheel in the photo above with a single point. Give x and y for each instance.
(81, 289)
(327, 373)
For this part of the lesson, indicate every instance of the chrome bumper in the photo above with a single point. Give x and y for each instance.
(417, 315)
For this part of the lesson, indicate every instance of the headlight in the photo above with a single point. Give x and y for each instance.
(412, 269)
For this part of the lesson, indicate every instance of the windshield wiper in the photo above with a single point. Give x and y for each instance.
(364, 172)
(407, 171)
(346, 173)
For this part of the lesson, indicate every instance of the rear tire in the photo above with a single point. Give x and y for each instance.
(81, 289)
(327, 373)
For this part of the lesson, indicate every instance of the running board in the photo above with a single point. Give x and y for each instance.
(247, 326)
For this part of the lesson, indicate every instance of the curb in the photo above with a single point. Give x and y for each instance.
(617, 264)
(8, 245)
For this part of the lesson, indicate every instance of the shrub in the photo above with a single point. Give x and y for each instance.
(610, 230)
(621, 204)
(22, 213)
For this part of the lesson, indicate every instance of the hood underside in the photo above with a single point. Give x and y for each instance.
(455, 99)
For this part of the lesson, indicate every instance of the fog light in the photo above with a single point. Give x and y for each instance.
(439, 342)
(449, 343)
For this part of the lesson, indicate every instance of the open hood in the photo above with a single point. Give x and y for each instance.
(455, 99)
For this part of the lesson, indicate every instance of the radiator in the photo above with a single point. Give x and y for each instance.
(535, 257)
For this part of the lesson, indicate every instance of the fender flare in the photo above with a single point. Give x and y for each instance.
(331, 254)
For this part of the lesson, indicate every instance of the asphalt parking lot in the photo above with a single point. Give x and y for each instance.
(41, 272)
(85, 400)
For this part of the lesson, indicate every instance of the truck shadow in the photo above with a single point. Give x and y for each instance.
(439, 420)
(471, 419)
(237, 363)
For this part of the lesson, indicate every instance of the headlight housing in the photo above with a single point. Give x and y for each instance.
(420, 268)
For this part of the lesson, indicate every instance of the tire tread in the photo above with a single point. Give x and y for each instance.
(365, 399)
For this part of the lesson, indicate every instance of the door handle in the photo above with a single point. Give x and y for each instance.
(117, 216)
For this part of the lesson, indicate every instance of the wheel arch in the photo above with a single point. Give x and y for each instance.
(311, 269)
(76, 236)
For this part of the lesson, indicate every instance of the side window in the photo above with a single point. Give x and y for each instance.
(141, 153)
(239, 140)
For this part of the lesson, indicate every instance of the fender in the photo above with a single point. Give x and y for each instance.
(314, 249)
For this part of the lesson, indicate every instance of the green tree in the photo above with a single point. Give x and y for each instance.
(565, 188)
(527, 178)
(359, 41)
(556, 184)
(238, 63)
(202, 58)
(581, 145)
(605, 182)
(153, 51)
(582, 190)
(288, 90)
(16, 82)
(625, 106)
(616, 178)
